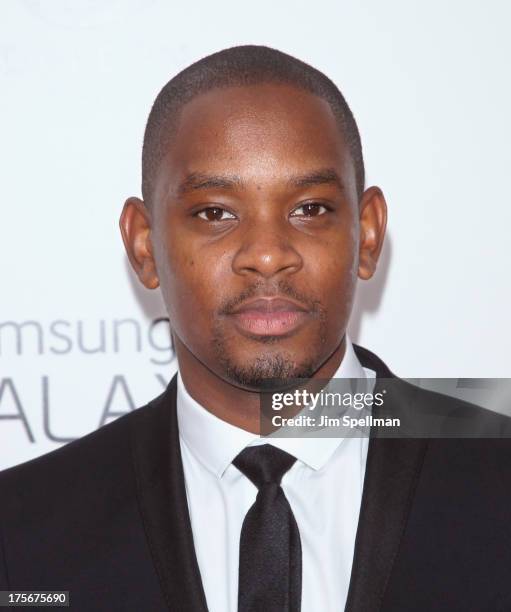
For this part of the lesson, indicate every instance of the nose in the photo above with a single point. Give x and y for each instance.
(266, 252)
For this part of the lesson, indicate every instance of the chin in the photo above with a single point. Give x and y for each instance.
(267, 371)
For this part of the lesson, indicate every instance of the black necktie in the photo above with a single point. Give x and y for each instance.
(270, 574)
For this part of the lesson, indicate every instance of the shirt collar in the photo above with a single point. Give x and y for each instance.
(215, 443)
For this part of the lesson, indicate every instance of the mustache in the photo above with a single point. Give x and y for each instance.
(282, 289)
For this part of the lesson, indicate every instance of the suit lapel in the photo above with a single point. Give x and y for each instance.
(163, 504)
(392, 471)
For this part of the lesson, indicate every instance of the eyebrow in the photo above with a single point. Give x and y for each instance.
(198, 180)
(325, 176)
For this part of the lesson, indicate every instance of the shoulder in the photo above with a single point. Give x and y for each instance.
(64, 461)
(98, 464)
(433, 409)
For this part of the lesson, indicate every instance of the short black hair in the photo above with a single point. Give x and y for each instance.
(239, 66)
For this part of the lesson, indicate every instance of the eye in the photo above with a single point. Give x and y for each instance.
(215, 213)
(311, 209)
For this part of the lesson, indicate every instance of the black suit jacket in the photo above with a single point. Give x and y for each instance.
(106, 518)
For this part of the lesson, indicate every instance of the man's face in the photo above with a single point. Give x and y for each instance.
(255, 232)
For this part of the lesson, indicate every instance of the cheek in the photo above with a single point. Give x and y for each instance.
(190, 280)
(333, 272)
(334, 263)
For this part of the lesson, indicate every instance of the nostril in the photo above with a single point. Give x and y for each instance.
(266, 259)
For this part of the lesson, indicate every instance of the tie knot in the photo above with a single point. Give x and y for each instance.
(263, 464)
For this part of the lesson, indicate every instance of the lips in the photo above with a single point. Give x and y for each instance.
(269, 316)
(269, 305)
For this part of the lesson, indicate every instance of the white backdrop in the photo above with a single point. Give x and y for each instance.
(81, 342)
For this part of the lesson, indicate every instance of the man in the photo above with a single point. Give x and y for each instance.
(255, 222)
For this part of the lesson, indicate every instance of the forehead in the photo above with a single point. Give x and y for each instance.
(261, 133)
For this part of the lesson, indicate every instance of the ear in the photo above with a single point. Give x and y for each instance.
(135, 224)
(373, 220)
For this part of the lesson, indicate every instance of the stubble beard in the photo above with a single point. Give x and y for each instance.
(266, 372)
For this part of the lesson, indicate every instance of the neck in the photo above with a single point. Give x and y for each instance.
(224, 399)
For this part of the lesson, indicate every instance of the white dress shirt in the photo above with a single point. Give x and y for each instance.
(323, 487)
